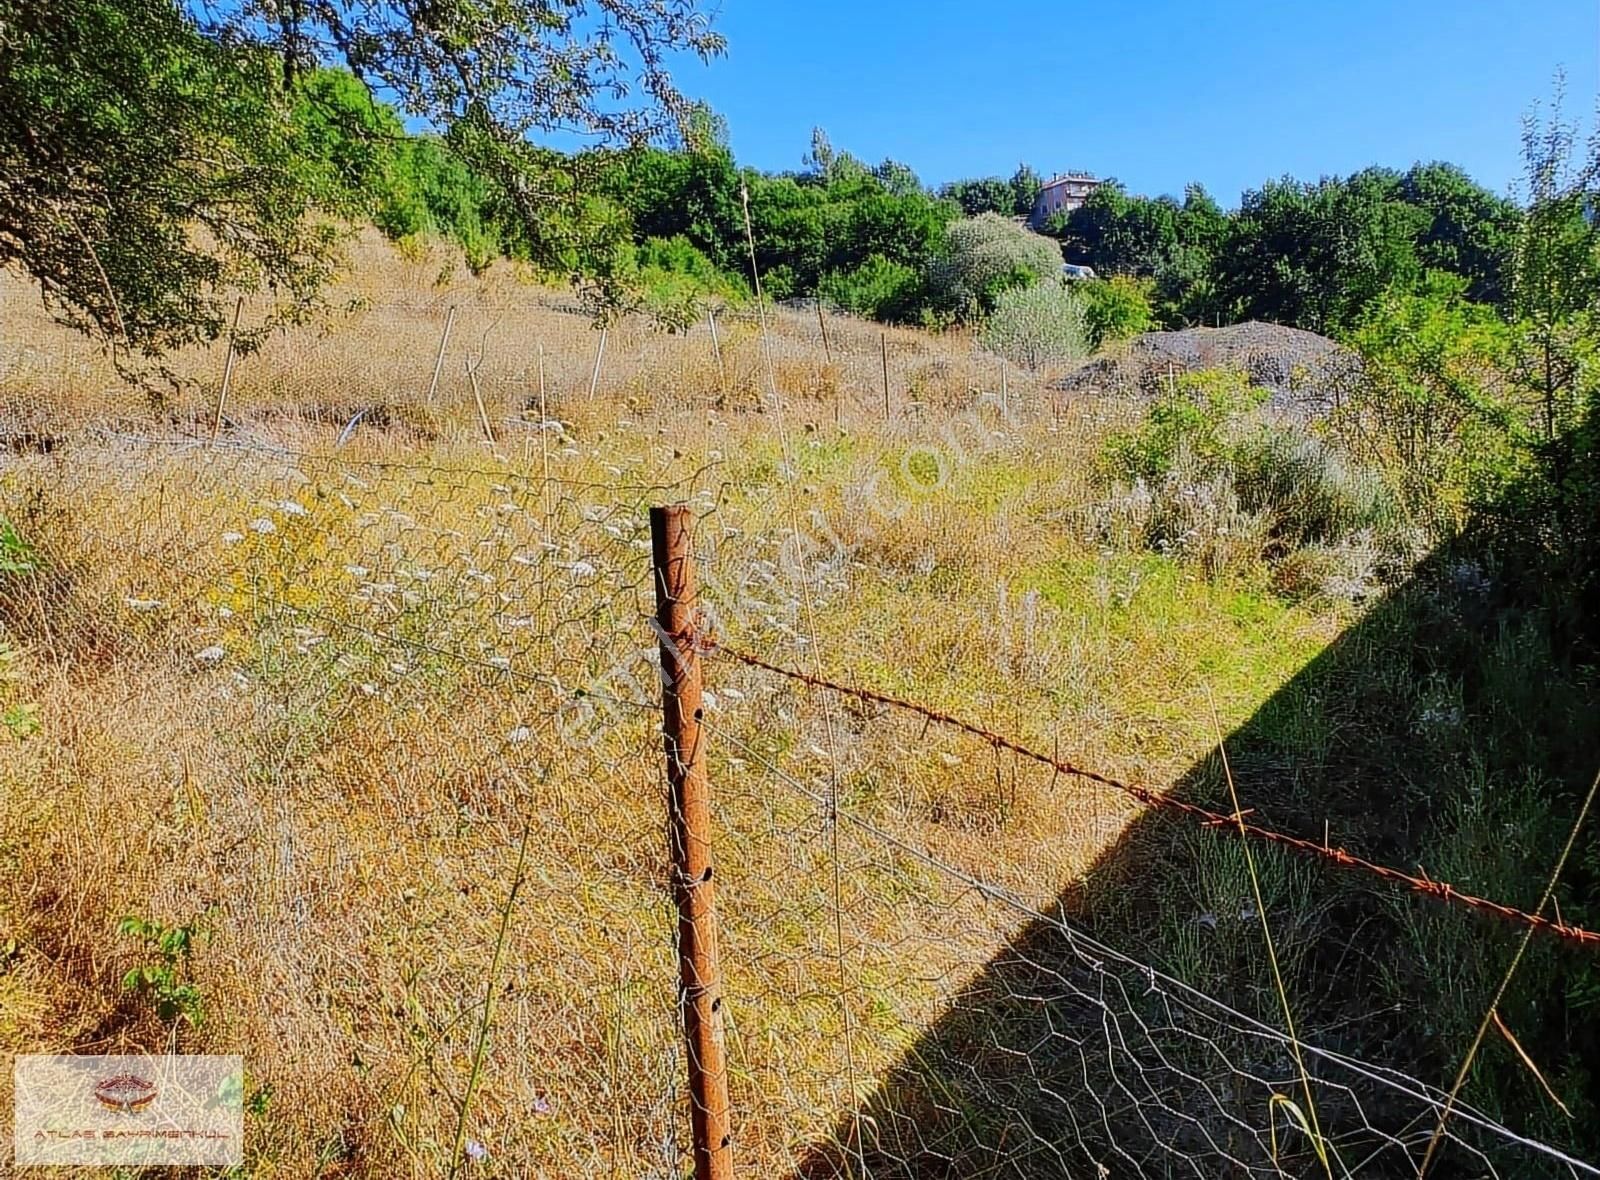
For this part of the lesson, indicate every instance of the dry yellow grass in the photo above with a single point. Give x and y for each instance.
(312, 696)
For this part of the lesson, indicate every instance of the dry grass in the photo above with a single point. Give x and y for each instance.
(309, 698)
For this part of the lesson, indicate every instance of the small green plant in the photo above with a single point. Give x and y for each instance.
(1193, 419)
(16, 555)
(165, 980)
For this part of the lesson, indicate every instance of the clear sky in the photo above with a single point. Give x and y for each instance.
(1154, 92)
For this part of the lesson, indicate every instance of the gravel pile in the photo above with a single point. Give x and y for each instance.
(1303, 370)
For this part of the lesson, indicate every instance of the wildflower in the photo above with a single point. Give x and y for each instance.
(231, 538)
(476, 1151)
(210, 655)
(143, 604)
(263, 526)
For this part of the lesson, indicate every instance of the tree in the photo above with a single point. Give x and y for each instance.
(985, 194)
(145, 168)
(1471, 231)
(1115, 308)
(1025, 186)
(1314, 255)
(986, 256)
(150, 159)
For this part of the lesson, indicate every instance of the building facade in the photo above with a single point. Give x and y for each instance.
(1062, 194)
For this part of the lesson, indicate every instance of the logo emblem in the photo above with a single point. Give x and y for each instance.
(125, 1092)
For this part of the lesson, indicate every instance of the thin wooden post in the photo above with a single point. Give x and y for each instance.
(438, 361)
(883, 345)
(599, 355)
(716, 350)
(827, 349)
(227, 371)
(689, 831)
(1005, 404)
(477, 398)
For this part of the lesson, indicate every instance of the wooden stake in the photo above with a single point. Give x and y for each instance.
(716, 349)
(599, 354)
(827, 349)
(689, 832)
(544, 416)
(477, 397)
(227, 371)
(883, 345)
(438, 361)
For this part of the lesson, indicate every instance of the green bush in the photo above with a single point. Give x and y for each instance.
(1207, 473)
(1115, 309)
(985, 257)
(1193, 418)
(879, 289)
(675, 281)
(1039, 325)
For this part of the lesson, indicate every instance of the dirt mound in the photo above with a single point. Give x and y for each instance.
(1302, 369)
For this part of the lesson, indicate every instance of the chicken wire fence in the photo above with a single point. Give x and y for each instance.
(421, 364)
(412, 776)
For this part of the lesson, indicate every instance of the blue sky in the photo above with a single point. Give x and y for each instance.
(1158, 93)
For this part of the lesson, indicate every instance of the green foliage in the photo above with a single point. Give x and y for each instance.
(1208, 463)
(1115, 309)
(985, 257)
(1432, 410)
(984, 194)
(16, 555)
(878, 289)
(1314, 255)
(158, 158)
(165, 979)
(677, 282)
(1195, 418)
(149, 170)
(1038, 325)
(1308, 255)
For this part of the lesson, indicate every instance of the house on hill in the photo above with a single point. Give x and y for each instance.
(1062, 194)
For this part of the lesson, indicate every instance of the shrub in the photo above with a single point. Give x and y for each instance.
(1312, 492)
(1192, 418)
(985, 257)
(1214, 478)
(1038, 326)
(675, 281)
(878, 289)
(1115, 309)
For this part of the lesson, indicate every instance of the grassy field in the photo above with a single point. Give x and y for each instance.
(369, 711)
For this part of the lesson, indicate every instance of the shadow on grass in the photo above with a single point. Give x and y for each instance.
(1135, 1029)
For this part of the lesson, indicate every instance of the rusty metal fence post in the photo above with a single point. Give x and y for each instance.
(689, 832)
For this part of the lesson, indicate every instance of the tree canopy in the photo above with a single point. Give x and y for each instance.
(154, 156)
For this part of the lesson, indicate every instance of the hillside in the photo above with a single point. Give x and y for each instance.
(365, 702)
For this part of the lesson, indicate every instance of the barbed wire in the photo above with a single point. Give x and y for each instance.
(1341, 857)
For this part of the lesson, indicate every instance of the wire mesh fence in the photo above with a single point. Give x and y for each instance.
(386, 726)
